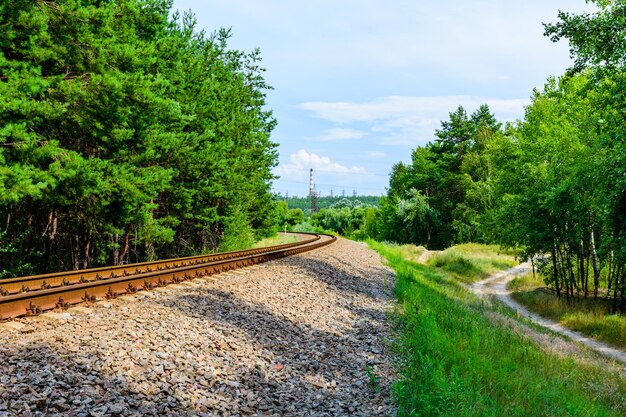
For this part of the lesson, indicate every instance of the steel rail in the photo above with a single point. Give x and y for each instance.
(35, 302)
(59, 279)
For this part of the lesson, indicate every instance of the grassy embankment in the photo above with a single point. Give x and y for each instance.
(278, 239)
(453, 360)
(471, 262)
(591, 317)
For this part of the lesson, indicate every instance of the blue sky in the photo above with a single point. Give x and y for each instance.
(359, 84)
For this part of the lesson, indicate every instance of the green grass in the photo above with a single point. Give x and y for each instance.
(471, 262)
(590, 317)
(452, 360)
(410, 252)
(279, 239)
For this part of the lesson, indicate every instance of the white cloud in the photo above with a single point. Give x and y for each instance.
(479, 40)
(376, 154)
(302, 161)
(329, 175)
(399, 107)
(408, 120)
(339, 133)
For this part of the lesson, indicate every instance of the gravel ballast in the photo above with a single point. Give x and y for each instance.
(303, 336)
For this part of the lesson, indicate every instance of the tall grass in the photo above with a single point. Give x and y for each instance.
(471, 262)
(410, 252)
(278, 239)
(590, 317)
(454, 361)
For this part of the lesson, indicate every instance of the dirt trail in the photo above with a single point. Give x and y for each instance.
(496, 285)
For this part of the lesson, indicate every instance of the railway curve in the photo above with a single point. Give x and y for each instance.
(31, 295)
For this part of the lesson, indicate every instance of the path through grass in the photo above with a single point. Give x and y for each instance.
(454, 361)
(590, 317)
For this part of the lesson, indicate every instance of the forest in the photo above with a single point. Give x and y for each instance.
(127, 135)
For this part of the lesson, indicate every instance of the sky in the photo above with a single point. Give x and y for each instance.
(357, 85)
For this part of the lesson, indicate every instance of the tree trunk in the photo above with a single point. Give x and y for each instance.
(623, 294)
(126, 246)
(51, 231)
(587, 260)
(572, 277)
(611, 273)
(616, 287)
(150, 252)
(596, 271)
(581, 268)
(564, 273)
(86, 257)
(555, 271)
(76, 252)
(116, 249)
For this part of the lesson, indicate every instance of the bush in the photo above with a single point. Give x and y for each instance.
(303, 227)
(238, 234)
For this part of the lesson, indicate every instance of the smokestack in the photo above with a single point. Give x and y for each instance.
(311, 186)
(312, 194)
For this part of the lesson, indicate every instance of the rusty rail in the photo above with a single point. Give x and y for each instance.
(59, 290)
(59, 279)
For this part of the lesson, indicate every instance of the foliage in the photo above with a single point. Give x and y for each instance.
(342, 220)
(303, 227)
(238, 233)
(294, 216)
(441, 196)
(304, 203)
(561, 187)
(596, 39)
(346, 217)
(454, 360)
(126, 135)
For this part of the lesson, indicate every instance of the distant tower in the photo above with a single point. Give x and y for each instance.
(331, 193)
(312, 194)
(343, 192)
(354, 192)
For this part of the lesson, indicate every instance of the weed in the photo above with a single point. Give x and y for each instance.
(373, 379)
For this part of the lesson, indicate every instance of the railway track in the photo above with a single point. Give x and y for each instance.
(32, 295)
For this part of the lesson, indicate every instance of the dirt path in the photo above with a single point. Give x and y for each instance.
(496, 285)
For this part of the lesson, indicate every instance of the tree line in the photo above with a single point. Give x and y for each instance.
(326, 202)
(126, 134)
(347, 216)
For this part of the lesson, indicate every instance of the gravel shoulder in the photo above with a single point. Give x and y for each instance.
(301, 336)
(496, 285)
